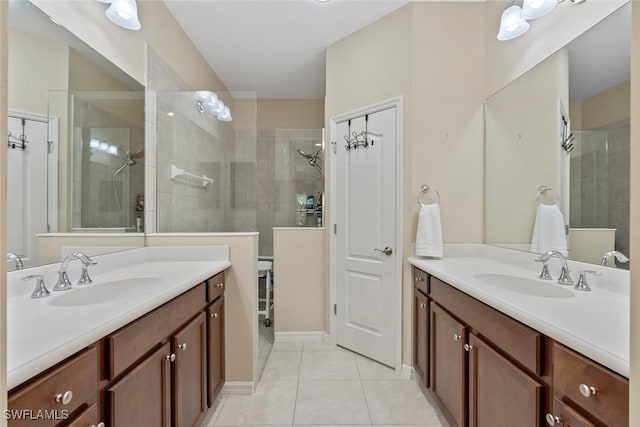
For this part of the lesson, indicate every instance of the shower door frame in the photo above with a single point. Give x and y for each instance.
(398, 104)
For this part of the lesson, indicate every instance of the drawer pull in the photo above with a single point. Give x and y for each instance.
(182, 346)
(101, 424)
(456, 337)
(419, 279)
(220, 285)
(587, 390)
(468, 347)
(171, 357)
(214, 315)
(552, 420)
(64, 398)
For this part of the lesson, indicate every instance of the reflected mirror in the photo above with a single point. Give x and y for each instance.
(557, 150)
(76, 140)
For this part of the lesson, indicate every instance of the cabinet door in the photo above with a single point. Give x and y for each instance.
(448, 363)
(189, 375)
(500, 394)
(421, 336)
(142, 398)
(215, 359)
(565, 416)
(88, 418)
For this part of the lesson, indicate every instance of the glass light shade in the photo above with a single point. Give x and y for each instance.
(225, 115)
(124, 13)
(213, 107)
(206, 97)
(532, 9)
(511, 24)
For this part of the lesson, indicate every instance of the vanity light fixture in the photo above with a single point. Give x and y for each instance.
(225, 115)
(208, 102)
(123, 13)
(512, 24)
(532, 9)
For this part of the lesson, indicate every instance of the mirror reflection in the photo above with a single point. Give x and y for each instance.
(75, 119)
(557, 151)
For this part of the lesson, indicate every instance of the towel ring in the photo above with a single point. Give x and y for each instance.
(424, 190)
(542, 189)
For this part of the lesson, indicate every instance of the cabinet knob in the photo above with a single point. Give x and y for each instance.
(456, 337)
(100, 424)
(587, 390)
(64, 398)
(552, 420)
(214, 315)
(220, 285)
(419, 279)
(182, 346)
(171, 357)
(468, 347)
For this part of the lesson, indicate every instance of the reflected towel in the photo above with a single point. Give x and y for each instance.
(429, 234)
(549, 230)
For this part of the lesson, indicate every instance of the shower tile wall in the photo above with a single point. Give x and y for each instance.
(265, 192)
(619, 182)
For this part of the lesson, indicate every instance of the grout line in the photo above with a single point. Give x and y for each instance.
(295, 401)
(362, 388)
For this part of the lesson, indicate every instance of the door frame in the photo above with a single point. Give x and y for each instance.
(398, 103)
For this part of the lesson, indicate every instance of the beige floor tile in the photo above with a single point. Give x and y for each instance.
(330, 402)
(370, 370)
(329, 365)
(321, 346)
(287, 346)
(282, 365)
(398, 402)
(272, 403)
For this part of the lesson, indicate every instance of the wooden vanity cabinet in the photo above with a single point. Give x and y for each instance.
(564, 415)
(215, 343)
(421, 336)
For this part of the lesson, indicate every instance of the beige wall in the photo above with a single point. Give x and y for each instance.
(290, 114)
(506, 61)
(634, 397)
(300, 279)
(241, 318)
(602, 109)
(126, 49)
(522, 148)
(85, 75)
(3, 197)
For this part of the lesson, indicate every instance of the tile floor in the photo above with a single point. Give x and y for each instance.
(317, 384)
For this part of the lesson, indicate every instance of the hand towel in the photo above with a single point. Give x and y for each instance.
(429, 233)
(549, 230)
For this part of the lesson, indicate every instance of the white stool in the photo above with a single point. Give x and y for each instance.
(264, 270)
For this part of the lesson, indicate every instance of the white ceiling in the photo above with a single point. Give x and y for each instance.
(276, 48)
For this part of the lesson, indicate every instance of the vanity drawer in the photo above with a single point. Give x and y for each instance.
(78, 375)
(572, 371)
(136, 339)
(568, 416)
(215, 287)
(88, 418)
(420, 280)
(518, 341)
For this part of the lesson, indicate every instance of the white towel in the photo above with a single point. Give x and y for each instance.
(548, 230)
(429, 234)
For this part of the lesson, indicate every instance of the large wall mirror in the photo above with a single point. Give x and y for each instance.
(557, 150)
(76, 145)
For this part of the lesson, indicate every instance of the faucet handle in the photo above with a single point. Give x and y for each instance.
(544, 274)
(63, 283)
(85, 279)
(582, 284)
(40, 290)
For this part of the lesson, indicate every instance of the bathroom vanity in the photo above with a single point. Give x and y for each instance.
(487, 368)
(155, 359)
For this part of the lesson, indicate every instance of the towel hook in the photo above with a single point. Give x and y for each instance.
(424, 190)
(542, 190)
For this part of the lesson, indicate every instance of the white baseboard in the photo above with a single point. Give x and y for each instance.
(237, 387)
(408, 372)
(307, 336)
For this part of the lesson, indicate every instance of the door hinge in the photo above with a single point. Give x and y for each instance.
(335, 228)
(335, 309)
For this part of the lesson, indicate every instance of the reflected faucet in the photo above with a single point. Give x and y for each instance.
(63, 283)
(565, 275)
(16, 259)
(619, 256)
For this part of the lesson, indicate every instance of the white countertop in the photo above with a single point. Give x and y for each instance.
(596, 323)
(41, 333)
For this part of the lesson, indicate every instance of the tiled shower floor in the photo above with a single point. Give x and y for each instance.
(317, 384)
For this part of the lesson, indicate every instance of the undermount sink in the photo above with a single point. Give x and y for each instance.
(104, 291)
(524, 286)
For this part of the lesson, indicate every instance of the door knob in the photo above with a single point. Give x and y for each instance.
(387, 251)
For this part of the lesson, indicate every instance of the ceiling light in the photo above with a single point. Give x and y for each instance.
(532, 9)
(123, 13)
(512, 24)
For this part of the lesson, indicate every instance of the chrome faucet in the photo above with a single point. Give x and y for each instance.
(619, 256)
(16, 259)
(565, 275)
(63, 283)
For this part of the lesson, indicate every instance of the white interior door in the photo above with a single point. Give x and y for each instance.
(26, 189)
(365, 199)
